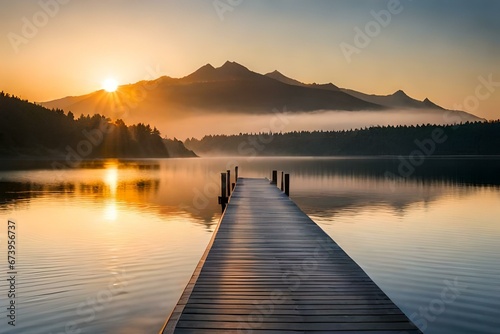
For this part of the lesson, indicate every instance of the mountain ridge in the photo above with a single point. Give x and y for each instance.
(398, 99)
(404, 100)
(233, 89)
(231, 70)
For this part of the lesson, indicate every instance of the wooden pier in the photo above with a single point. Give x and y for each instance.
(270, 269)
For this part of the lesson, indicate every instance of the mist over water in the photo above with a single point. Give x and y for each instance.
(324, 120)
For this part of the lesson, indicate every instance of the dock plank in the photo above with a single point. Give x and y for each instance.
(270, 269)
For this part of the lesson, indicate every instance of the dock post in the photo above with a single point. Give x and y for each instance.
(287, 184)
(275, 177)
(223, 184)
(235, 177)
(282, 184)
(223, 191)
(228, 183)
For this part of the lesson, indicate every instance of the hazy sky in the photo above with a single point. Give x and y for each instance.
(430, 48)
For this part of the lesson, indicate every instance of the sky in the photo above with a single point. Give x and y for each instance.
(444, 50)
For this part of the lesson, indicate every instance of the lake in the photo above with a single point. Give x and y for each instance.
(108, 247)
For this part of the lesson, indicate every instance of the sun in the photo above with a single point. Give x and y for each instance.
(110, 85)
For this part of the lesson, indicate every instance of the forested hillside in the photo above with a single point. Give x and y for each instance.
(28, 129)
(480, 138)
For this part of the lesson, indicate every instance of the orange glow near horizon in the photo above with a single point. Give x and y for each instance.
(135, 42)
(111, 179)
(110, 85)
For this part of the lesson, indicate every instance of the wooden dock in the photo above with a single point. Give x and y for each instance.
(270, 269)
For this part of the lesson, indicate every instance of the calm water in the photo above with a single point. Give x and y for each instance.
(109, 247)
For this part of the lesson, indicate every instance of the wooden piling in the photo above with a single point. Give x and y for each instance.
(223, 184)
(287, 184)
(282, 181)
(223, 191)
(274, 180)
(228, 183)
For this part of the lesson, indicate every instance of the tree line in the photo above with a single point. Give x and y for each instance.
(29, 129)
(471, 138)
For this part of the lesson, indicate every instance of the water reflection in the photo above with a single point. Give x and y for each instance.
(330, 195)
(322, 185)
(151, 219)
(136, 183)
(130, 191)
(444, 170)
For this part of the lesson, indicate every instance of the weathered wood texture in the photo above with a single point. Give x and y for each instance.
(270, 269)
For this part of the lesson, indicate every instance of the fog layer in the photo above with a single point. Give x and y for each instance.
(226, 123)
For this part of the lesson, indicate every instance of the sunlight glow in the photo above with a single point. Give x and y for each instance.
(111, 211)
(110, 85)
(111, 179)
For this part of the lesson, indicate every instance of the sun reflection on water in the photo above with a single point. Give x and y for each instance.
(111, 178)
(111, 181)
(111, 210)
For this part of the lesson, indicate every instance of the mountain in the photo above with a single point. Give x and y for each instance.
(230, 88)
(230, 71)
(276, 75)
(234, 88)
(397, 100)
(429, 104)
(215, 99)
